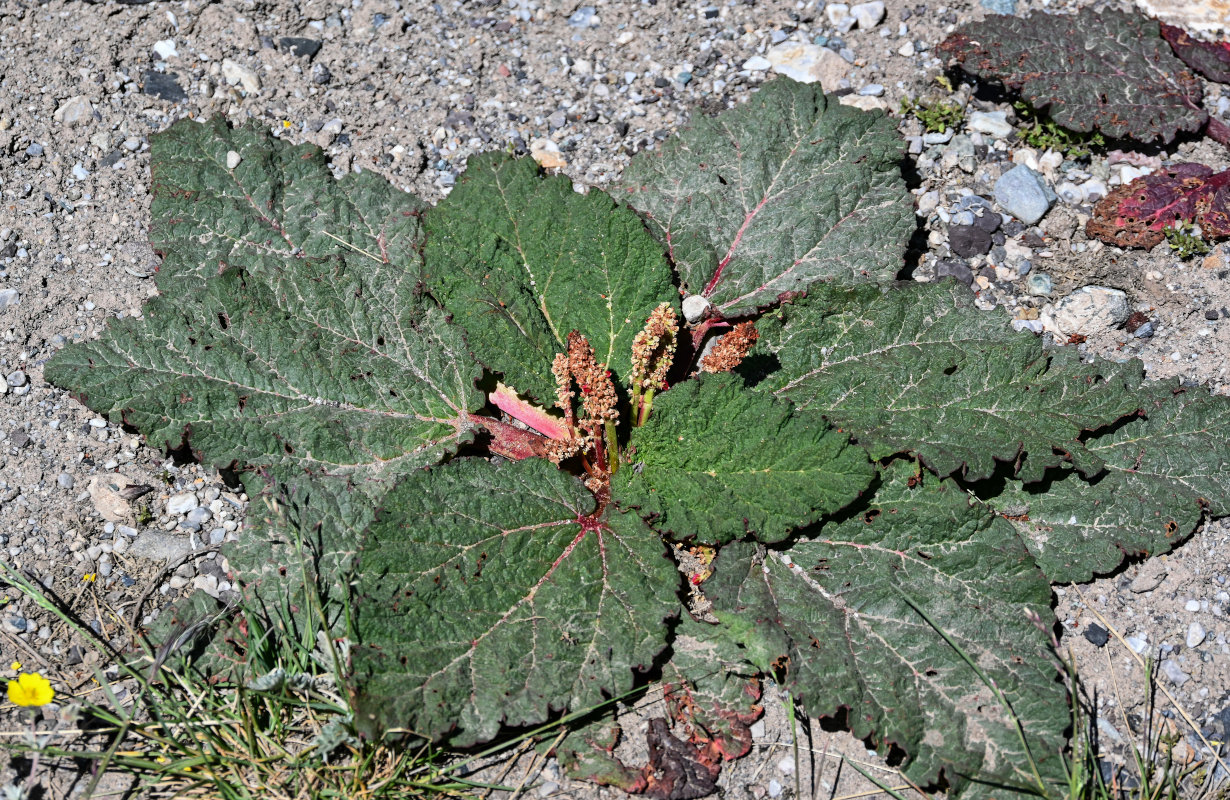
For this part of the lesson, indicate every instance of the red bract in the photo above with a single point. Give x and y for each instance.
(1134, 215)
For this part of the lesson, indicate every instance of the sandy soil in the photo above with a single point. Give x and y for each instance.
(411, 89)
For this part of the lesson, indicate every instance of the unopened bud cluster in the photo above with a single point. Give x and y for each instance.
(653, 349)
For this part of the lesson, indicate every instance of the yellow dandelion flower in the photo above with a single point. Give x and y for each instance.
(90, 577)
(31, 689)
(286, 123)
(15, 666)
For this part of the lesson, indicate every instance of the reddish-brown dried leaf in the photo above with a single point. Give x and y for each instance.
(1210, 59)
(1135, 215)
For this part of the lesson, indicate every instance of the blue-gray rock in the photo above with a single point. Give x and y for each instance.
(199, 516)
(65, 480)
(999, 6)
(35, 149)
(182, 503)
(8, 297)
(957, 269)
(1172, 670)
(582, 17)
(872, 90)
(159, 546)
(16, 378)
(1024, 194)
(14, 624)
(1039, 283)
(217, 536)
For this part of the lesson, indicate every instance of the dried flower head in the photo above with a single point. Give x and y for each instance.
(730, 349)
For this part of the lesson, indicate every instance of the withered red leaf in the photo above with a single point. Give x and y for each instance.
(1136, 214)
(1210, 59)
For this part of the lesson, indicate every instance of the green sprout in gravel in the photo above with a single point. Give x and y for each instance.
(937, 116)
(1043, 134)
(1186, 239)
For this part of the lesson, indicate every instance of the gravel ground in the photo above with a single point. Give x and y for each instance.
(410, 90)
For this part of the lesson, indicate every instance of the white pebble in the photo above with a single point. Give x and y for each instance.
(232, 159)
(1192, 605)
(182, 503)
(1195, 634)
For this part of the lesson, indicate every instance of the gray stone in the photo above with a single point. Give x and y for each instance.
(1024, 194)
(217, 536)
(14, 624)
(694, 307)
(237, 74)
(1195, 634)
(74, 111)
(872, 90)
(199, 516)
(8, 297)
(947, 267)
(757, 64)
(164, 86)
(1172, 670)
(16, 378)
(35, 149)
(583, 17)
(1091, 309)
(968, 240)
(65, 480)
(999, 6)
(207, 584)
(182, 503)
(938, 137)
(158, 546)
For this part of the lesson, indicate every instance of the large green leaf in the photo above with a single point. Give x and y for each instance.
(717, 462)
(319, 380)
(788, 189)
(520, 261)
(1162, 471)
(489, 595)
(314, 368)
(1094, 70)
(869, 615)
(278, 204)
(918, 368)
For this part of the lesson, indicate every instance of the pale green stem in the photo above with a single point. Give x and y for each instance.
(646, 407)
(612, 447)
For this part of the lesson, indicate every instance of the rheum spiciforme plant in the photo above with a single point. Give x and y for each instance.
(486, 420)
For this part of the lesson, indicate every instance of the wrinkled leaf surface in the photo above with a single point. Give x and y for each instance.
(788, 189)
(1106, 71)
(1210, 59)
(918, 368)
(1162, 471)
(711, 464)
(488, 596)
(520, 261)
(847, 613)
